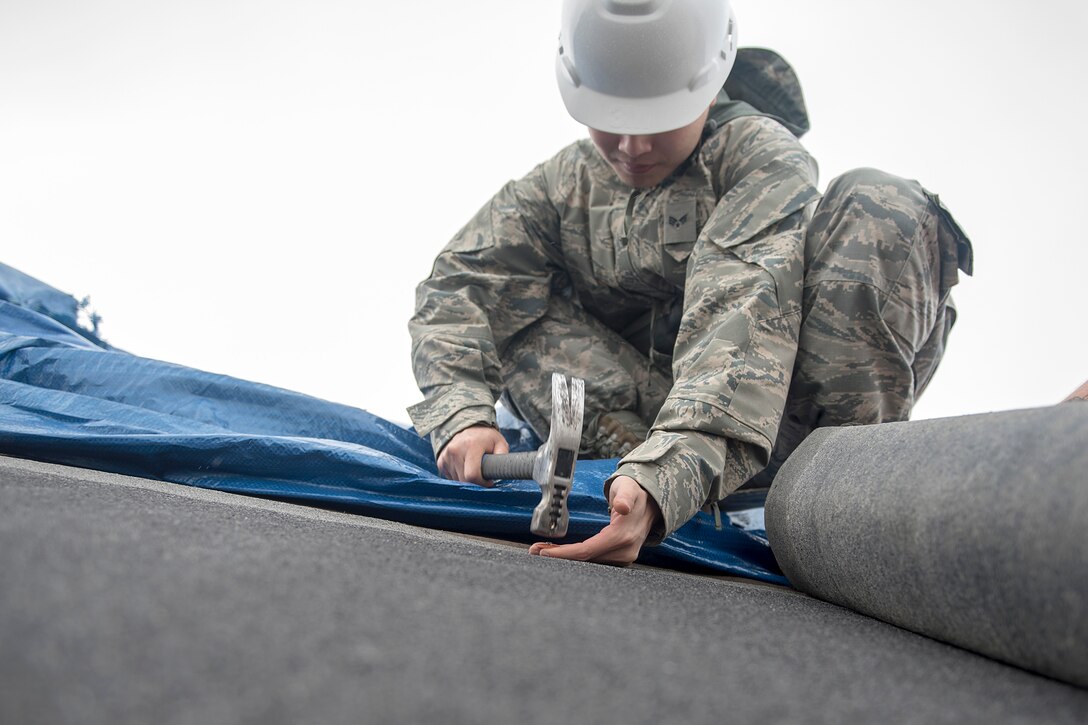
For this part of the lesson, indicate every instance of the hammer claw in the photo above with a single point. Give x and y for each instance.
(555, 464)
(552, 466)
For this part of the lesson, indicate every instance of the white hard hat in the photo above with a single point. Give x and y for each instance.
(643, 66)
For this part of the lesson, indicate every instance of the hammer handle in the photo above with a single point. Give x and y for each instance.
(502, 466)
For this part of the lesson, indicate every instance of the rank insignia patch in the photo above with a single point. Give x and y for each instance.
(680, 222)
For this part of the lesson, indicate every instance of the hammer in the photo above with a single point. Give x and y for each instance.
(551, 465)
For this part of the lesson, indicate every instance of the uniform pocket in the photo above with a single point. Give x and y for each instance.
(678, 252)
(957, 254)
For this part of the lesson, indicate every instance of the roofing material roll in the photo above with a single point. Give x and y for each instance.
(970, 530)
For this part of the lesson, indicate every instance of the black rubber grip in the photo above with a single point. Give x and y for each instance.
(503, 466)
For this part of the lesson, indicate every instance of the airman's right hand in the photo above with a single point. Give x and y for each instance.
(460, 458)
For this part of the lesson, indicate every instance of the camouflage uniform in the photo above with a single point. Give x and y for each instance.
(726, 310)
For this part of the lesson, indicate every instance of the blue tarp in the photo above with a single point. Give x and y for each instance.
(68, 397)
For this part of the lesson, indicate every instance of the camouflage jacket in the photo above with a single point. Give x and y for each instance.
(733, 253)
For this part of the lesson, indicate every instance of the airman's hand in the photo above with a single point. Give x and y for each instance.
(460, 458)
(634, 514)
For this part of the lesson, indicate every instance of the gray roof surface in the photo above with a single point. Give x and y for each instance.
(126, 600)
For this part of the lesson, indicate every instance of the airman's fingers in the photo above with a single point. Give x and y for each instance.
(611, 545)
(584, 552)
(473, 466)
(446, 467)
(489, 442)
(460, 459)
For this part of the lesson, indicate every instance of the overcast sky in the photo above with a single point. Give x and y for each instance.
(255, 188)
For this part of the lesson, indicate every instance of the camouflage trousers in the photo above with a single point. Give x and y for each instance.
(881, 254)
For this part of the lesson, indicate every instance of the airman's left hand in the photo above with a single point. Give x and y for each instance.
(634, 514)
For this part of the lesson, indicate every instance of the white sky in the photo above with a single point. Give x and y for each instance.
(256, 187)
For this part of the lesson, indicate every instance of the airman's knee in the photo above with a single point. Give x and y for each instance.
(875, 189)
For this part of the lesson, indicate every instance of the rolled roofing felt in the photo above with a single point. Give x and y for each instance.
(970, 530)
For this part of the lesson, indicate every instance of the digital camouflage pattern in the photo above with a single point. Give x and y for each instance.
(763, 79)
(685, 307)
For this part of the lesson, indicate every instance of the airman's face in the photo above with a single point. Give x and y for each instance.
(644, 161)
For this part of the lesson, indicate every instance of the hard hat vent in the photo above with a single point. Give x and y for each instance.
(631, 7)
(568, 66)
(730, 45)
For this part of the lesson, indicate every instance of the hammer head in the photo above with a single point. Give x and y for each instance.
(553, 467)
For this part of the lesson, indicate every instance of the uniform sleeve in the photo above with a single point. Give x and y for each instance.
(737, 342)
(492, 280)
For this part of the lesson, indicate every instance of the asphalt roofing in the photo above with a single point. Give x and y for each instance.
(129, 600)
